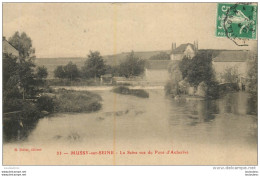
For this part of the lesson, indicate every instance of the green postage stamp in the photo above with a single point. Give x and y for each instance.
(236, 21)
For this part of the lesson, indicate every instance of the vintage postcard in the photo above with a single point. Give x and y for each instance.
(130, 84)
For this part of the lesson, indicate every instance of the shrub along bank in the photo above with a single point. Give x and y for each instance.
(126, 91)
(70, 101)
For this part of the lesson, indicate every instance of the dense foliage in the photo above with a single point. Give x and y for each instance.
(41, 72)
(19, 75)
(136, 92)
(77, 101)
(198, 69)
(195, 74)
(230, 75)
(69, 71)
(21, 86)
(23, 44)
(94, 66)
(132, 66)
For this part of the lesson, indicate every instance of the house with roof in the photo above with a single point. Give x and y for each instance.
(156, 72)
(235, 60)
(189, 50)
(8, 48)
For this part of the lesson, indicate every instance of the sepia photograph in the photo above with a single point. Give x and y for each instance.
(130, 84)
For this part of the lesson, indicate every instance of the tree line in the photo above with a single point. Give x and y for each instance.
(95, 67)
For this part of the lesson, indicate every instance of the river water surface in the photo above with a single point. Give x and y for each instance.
(212, 132)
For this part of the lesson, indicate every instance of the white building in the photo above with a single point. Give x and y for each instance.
(189, 50)
(156, 72)
(235, 60)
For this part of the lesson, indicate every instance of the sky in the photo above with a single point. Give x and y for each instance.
(73, 29)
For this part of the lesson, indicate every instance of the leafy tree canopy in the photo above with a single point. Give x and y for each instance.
(22, 43)
(94, 66)
(69, 71)
(24, 67)
(198, 69)
(41, 72)
(132, 66)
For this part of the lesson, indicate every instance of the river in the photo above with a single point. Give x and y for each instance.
(211, 132)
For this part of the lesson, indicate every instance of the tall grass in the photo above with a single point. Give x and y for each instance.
(77, 101)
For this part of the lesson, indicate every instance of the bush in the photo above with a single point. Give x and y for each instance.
(46, 103)
(122, 90)
(81, 101)
(69, 71)
(140, 93)
(30, 112)
(230, 75)
(12, 104)
(48, 90)
(126, 91)
(228, 87)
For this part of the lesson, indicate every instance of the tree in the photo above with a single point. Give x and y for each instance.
(41, 72)
(200, 69)
(132, 66)
(160, 56)
(59, 72)
(10, 69)
(69, 71)
(26, 67)
(23, 44)
(11, 89)
(94, 66)
(230, 75)
(184, 66)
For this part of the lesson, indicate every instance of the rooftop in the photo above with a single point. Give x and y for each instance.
(180, 49)
(231, 56)
(8, 48)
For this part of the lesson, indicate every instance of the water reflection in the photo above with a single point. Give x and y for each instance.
(205, 110)
(195, 111)
(252, 104)
(16, 130)
(230, 119)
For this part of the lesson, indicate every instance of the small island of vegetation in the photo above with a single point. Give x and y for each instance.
(135, 92)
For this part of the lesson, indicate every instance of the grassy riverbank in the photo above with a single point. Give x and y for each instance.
(57, 101)
(77, 101)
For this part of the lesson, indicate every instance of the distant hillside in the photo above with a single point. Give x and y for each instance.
(118, 58)
(52, 63)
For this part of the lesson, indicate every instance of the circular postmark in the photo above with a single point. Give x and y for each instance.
(239, 22)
